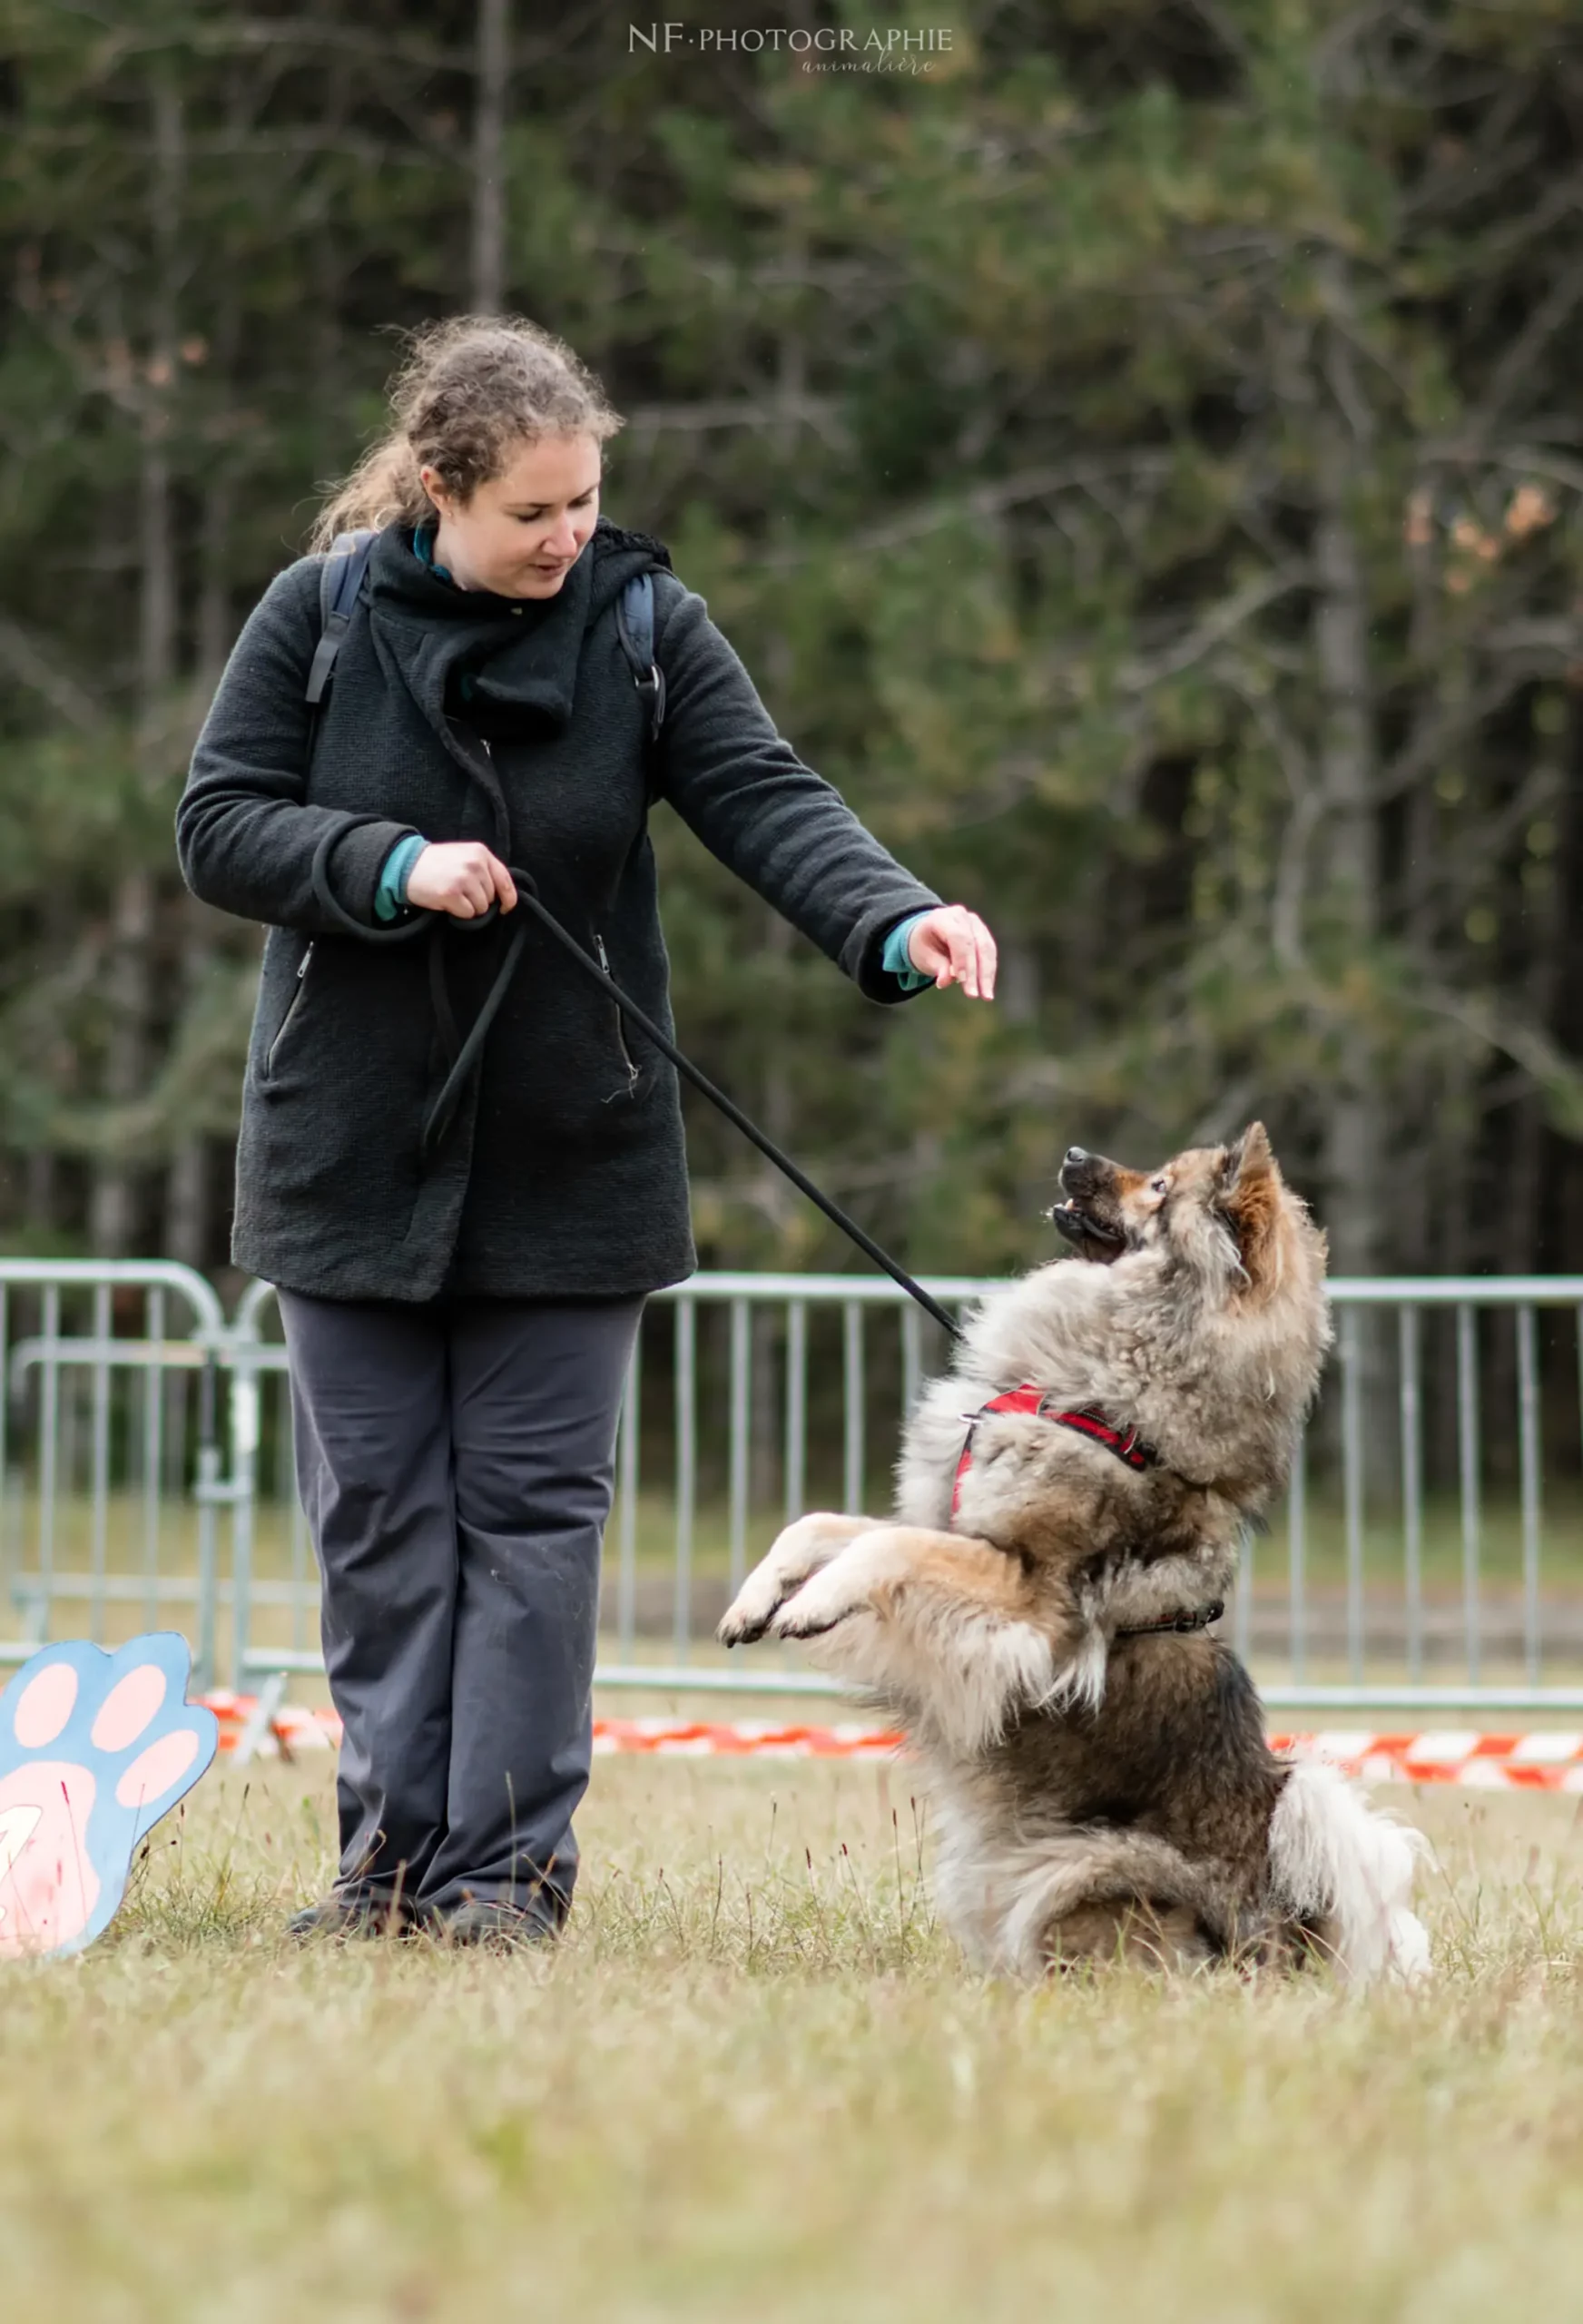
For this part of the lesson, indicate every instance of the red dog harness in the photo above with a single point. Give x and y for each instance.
(1125, 1443)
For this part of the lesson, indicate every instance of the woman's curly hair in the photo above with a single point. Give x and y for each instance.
(469, 391)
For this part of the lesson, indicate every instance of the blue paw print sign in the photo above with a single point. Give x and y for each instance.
(94, 1748)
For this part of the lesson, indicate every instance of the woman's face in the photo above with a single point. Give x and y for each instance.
(521, 534)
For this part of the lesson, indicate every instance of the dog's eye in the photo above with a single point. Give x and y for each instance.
(1159, 1186)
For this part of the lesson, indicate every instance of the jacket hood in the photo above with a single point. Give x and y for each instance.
(523, 655)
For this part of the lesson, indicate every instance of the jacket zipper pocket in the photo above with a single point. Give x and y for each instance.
(292, 1010)
(632, 1072)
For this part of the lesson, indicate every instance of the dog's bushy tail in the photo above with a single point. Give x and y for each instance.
(1337, 1861)
(1006, 1901)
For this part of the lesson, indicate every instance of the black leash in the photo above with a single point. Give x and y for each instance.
(733, 1113)
(441, 1112)
(1127, 1448)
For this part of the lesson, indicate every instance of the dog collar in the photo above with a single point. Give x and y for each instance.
(1125, 1443)
(1182, 1625)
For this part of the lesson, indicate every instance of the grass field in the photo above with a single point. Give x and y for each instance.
(755, 2083)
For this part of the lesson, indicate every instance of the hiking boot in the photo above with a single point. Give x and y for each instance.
(348, 1916)
(499, 1928)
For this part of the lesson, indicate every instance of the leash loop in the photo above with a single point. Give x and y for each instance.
(443, 1110)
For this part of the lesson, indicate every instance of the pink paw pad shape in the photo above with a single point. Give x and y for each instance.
(94, 1748)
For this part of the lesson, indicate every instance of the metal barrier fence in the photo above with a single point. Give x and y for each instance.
(149, 1458)
(1425, 1557)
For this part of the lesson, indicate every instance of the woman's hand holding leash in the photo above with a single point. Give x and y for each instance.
(461, 877)
(953, 946)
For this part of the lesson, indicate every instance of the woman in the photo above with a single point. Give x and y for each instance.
(460, 1283)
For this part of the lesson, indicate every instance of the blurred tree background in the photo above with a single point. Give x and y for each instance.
(1140, 459)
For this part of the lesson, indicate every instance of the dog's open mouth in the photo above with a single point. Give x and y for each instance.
(1080, 1225)
(1085, 1230)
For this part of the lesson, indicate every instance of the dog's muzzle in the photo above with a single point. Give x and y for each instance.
(1080, 1175)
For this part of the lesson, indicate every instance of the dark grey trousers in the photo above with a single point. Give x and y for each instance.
(455, 1463)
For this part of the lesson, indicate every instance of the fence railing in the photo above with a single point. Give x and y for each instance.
(1429, 1554)
(137, 1412)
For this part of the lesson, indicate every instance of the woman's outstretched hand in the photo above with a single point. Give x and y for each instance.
(953, 946)
(461, 877)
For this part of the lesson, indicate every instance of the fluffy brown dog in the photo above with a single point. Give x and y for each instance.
(1072, 1498)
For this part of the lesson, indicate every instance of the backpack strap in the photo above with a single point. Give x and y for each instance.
(634, 619)
(340, 584)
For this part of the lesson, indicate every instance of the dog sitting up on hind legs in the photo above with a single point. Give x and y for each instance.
(1072, 1499)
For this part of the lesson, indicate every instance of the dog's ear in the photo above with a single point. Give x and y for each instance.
(1250, 1197)
(1249, 1157)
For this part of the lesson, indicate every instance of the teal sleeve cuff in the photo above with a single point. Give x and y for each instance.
(391, 892)
(894, 956)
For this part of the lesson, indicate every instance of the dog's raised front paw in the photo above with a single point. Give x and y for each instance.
(747, 1618)
(799, 1550)
(844, 1588)
(795, 1620)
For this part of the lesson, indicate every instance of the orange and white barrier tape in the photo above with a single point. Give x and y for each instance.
(672, 1738)
(1537, 1762)
(293, 1728)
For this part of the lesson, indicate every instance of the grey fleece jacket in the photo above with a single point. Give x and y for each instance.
(562, 1172)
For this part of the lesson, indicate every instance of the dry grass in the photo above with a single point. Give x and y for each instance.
(755, 2083)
